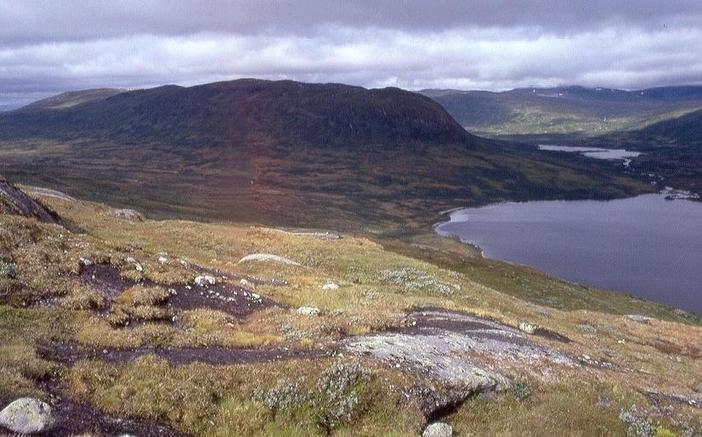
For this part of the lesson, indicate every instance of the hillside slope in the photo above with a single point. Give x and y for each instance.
(161, 328)
(283, 153)
(233, 113)
(70, 99)
(685, 130)
(565, 109)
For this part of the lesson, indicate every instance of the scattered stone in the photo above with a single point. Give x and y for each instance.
(528, 328)
(321, 234)
(413, 280)
(205, 280)
(137, 265)
(267, 257)
(85, 262)
(640, 318)
(438, 429)
(26, 416)
(308, 311)
(8, 269)
(162, 259)
(586, 329)
(128, 214)
(330, 286)
(244, 283)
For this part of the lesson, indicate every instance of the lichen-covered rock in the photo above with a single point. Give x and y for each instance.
(267, 257)
(205, 280)
(128, 214)
(308, 311)
(453, 351)
(26, 416)
(640, 318)
(7, 269)
(438, 429)
(137, 265)
(528, 328)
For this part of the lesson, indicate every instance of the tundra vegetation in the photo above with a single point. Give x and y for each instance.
(157, 322)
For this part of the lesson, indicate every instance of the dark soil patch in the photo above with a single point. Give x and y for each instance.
(104, 278)
(659, 398)
(232, 299)
(207, 355)
(551, 335)
(73, 419)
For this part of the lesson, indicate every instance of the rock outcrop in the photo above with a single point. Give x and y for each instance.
(455, 353)
(15, 201)
(267, 257)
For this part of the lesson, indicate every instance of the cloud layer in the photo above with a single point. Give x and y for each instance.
(48, 46)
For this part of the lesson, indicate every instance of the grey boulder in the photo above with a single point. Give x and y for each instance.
(438, 429)
(26, 416)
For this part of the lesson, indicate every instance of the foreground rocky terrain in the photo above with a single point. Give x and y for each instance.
(114, 323)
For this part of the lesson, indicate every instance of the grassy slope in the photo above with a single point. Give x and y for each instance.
(220, 400)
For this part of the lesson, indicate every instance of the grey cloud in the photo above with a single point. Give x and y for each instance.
(41, 20)
(48, 46)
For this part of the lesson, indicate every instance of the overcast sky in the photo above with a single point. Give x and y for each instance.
(50, 46)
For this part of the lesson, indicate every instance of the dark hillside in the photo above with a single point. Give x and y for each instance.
(283, 153)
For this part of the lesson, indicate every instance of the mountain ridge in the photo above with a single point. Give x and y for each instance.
(246, 110)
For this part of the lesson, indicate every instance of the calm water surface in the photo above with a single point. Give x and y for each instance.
(645, 245)
(595, 152)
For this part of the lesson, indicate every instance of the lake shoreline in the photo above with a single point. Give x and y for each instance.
(673, 268)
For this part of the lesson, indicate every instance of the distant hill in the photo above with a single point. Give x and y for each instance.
(588, 111)
(70, 99)
(281, 152)
(684, 130)
(241, 111)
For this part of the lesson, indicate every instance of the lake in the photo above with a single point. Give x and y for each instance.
(594, 152)
(646, 245)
